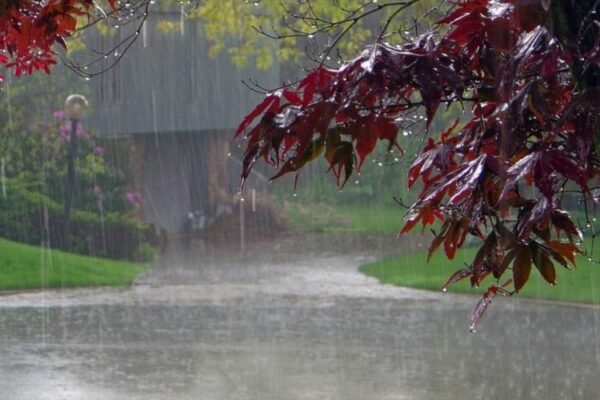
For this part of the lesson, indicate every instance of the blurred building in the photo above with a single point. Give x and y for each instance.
(179, 107)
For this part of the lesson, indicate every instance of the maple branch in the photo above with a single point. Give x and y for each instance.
(401, 203)
(321, 25)
(123, 45)
(529, 125)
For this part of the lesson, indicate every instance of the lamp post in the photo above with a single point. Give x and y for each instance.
(75, 107)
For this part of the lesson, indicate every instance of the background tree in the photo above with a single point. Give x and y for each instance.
(526, 72)
(32, 33)
(293, 23)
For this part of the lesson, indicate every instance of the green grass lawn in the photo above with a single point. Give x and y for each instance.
(581, 285)
(24, 266)
(322, 218)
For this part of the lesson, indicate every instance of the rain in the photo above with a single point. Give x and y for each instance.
(135, 267)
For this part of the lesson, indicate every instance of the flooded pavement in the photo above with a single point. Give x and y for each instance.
(291, 320)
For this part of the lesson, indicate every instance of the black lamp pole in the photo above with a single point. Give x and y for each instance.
(70, 186)
(75, 106)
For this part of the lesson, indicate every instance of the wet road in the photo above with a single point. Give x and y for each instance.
(295, 322)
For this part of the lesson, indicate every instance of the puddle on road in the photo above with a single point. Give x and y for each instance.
(306, 328)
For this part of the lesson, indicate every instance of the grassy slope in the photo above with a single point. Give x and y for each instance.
(581, 285)
(28, 267)
(345, 218)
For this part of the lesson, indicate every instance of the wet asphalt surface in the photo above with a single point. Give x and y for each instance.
(289, 320)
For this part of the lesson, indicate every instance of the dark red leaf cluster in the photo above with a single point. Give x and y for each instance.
(29, 31)
(531, 82)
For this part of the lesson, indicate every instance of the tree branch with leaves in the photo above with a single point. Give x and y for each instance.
(527, 74)
(31, 31)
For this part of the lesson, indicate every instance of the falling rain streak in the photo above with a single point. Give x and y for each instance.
(133, 267)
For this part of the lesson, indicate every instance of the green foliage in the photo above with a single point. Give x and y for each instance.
(231, 25)
(29, 267)
(33, 150)
(145, 253)
(31, 217)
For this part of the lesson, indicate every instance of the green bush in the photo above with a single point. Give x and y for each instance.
(30, 217)
(146, 252)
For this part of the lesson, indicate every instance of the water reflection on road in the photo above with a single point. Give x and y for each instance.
(285, 324)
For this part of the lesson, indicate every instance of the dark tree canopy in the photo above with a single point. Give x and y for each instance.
(528, 72)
